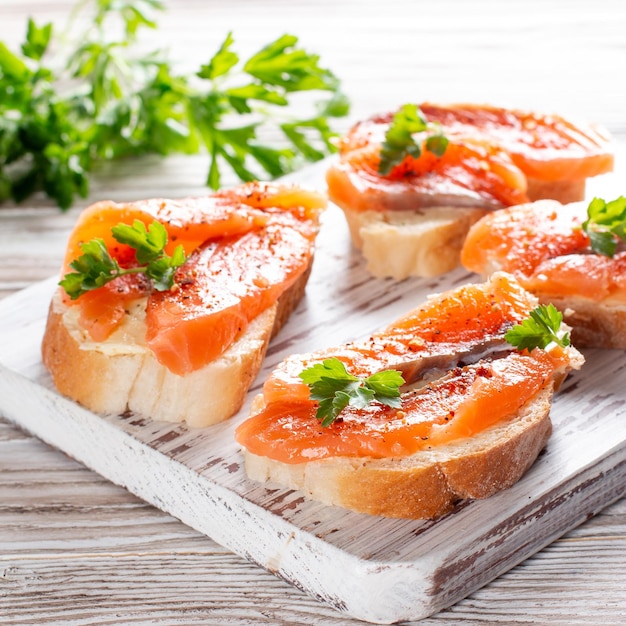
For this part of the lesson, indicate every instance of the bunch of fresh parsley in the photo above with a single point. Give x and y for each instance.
(59, 115)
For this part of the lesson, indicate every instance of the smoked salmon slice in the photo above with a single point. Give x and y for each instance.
(245, 247)
(492, 155)
(470, 173)
(470, 320)
(544, 246)
(222, 288)
(545, 147)
(461, 377)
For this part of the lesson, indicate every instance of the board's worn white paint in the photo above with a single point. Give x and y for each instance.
(374, 569)
(76, 549)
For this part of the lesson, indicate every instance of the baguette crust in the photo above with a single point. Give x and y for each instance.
(427, 484)
(564, 191)
(122, 374)
(594, 325)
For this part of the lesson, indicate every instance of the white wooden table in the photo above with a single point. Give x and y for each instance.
(75, 549)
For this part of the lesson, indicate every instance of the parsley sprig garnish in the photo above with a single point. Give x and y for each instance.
(335, 388)
(539, 330)
(400, 140)
(97, 95)
(606, 225)
(96, 267)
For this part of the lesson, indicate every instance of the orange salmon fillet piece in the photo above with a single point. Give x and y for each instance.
(491, 153)
(222, 288)
(471, 314)
(547, 147)
(543, 245)
(464, 399)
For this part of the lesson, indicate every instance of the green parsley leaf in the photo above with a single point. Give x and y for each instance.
(385, 384)
(437, 144)
(539, 330)
(162, 270)
(148, 243)
(606, 225)
(400, 140)
(92, 270)
(11, 66)
(37, 40)
(221, 62)
(602, 242)
(95, 267)
(283, 64)
(334, 388)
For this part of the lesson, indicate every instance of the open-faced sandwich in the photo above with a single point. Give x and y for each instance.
(572, 255)
(166, 307)
(449, 402)
(412, 182)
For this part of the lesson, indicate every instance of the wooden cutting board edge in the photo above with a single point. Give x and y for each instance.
(379, 592)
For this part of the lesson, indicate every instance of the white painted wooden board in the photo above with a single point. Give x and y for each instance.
(371, 568)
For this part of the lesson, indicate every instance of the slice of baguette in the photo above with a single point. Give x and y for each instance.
(121, 374)
(427, 484)
(422, 243)
(427, 240)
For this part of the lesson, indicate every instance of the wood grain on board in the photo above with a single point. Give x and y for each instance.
(76, 549)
